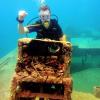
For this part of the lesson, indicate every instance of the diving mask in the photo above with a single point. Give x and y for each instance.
(45, 18)
(45, 15)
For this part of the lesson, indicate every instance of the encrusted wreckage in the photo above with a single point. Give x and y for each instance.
(42, 70)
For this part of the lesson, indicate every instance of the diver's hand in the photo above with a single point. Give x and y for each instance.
(22, 14)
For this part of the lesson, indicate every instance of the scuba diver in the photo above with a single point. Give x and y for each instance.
(45, 27)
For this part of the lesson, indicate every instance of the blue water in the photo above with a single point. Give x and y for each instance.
(74, 16)
(79, 19)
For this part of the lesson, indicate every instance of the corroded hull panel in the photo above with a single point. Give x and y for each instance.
(42, 70)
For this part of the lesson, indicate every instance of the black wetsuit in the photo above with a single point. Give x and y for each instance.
(54, 31)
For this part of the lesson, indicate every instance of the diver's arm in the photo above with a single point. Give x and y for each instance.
(63, 38)
(22, 29)
(20, 19)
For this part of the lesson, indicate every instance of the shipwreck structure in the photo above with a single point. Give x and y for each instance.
(42, 70)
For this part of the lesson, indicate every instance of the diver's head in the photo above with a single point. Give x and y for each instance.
(44, 14)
